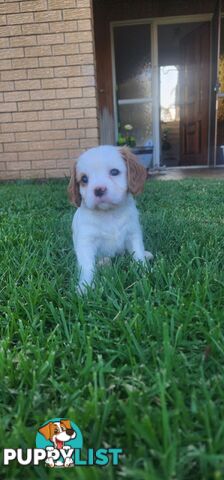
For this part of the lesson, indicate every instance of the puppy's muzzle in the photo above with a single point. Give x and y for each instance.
(100, 191)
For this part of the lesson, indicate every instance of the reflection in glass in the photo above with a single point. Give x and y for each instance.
(132, 48)
(220, 114)
(220, 133)
(133, 61)
(177, 90)
(140, 117)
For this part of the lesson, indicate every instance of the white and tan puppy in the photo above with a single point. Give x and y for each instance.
(106, 223)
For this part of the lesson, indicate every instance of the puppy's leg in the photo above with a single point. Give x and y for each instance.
(148, 255)
(85, 254)
(135, 246)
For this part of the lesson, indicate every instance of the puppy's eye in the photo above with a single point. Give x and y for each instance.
(114, 172)
(84, 179)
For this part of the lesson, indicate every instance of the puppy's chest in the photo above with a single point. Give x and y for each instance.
(112, 238)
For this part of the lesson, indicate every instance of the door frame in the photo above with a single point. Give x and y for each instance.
(154, 23)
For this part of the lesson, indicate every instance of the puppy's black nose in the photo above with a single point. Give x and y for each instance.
(99, 191)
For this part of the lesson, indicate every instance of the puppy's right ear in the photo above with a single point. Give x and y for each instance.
(46, 430)
(73, 189)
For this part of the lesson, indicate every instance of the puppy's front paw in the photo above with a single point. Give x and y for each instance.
(104, 261)
(148, 255)
(83, 287)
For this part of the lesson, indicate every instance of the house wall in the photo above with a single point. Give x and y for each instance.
(48, 106)
(120, 10)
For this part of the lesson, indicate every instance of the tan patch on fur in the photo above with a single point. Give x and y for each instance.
(73, 189)
(137, 174)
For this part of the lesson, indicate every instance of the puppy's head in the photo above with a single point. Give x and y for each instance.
(103, 175)
(58, 432)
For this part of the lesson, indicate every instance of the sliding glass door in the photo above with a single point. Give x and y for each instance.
(133, 77)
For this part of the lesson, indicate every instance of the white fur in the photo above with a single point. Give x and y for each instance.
(107, 225)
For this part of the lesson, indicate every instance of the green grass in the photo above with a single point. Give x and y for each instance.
(139, 362)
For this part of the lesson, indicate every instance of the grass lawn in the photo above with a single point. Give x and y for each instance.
(139, 362)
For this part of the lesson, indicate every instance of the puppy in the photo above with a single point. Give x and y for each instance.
(58, 433)
(106, 223)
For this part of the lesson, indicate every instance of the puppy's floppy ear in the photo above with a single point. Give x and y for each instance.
(66, 423)
(73, 189)
(46, 430)
(137, 174)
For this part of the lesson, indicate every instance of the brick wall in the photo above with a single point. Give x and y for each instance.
(48, 110)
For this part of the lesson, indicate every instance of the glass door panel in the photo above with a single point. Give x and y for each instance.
(133, 72)
(183, 59)
(220, 111)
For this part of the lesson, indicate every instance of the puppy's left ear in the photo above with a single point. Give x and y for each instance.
(73, 189)
(137, 174)
(66, 423)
